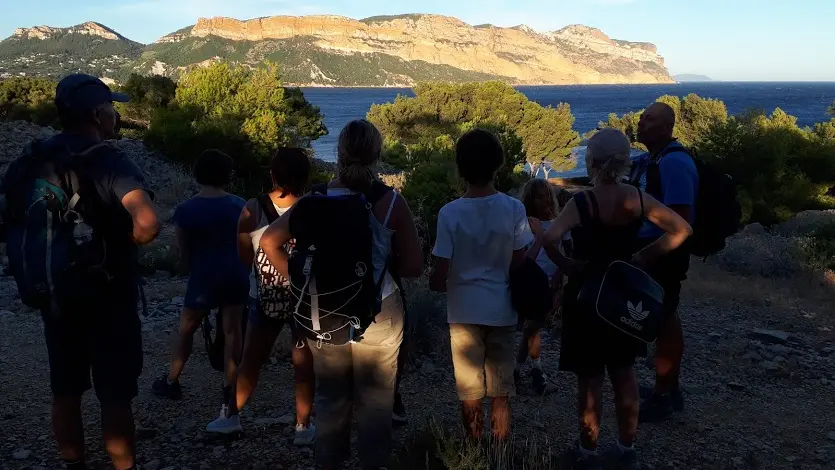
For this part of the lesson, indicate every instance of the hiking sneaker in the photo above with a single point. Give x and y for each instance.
(655, 408)
(163, 388)
(541, 385)
(398, 413)
(626, 459)
(676, 396)
(575, 459)
(305, 435)
(225, 424)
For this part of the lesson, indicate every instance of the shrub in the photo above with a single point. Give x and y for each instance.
(780, 168)
(28, 99)
(147, 93)
(245, 113)
(445, 109)
(819, 248)
(695, 116)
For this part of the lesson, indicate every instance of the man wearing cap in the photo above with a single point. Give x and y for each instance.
(97, 334)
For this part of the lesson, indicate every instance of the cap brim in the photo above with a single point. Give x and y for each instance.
(119, 97)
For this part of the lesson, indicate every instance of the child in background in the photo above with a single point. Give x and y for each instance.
(207, 233)
(540, 200)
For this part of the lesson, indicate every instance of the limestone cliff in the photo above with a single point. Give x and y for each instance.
(89, 28)
(572, 55)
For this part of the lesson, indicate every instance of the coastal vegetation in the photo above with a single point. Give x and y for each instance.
(780, 168)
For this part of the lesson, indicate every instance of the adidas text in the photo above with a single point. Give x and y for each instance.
(632, 323)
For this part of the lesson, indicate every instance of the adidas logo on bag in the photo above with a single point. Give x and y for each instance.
(637, 313)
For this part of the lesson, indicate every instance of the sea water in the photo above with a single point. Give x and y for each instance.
(591, 104)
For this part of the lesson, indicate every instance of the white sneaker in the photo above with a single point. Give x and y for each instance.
(305, 435)
(225, 424)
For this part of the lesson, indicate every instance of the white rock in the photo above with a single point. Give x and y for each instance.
(770, 336)
(21, 454)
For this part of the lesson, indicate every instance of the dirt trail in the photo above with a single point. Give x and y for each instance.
(753, 400)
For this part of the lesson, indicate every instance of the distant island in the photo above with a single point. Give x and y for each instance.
(336, 51)
(691, 77)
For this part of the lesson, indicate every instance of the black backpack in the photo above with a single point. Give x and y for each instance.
(718, 214)
(331, 269)
(530, 290)
(49, 225)
(216, 345)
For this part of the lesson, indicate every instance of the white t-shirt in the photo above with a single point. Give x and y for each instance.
(479, 236)
(542, 258)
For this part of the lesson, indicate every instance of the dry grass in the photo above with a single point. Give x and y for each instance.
(439, 446)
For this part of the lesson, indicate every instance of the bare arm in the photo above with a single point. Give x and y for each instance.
(406, 248)
(676, 229)
(145, 221)
(246, 225)
(568, 219)
(272, 242)
(536, 246)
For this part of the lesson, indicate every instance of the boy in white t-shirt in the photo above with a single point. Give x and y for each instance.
(479, 236)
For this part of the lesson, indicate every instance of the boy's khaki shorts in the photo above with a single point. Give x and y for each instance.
(483, 359)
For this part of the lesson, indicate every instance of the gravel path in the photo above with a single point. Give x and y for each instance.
(755, 399)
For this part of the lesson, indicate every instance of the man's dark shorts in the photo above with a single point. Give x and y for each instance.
(102, 337)
(669, 271)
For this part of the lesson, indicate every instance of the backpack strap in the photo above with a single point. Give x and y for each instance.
(586, 201)
(595, 214)
(268, 207)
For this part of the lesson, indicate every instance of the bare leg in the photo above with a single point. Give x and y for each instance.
(589, 391)
(119, 434)
(260, 339)
(305, 382)
(668, 355)
(232, 352)
(68, 427)
(473, 417)
(627, 403)
(189, 322)
(500, 417)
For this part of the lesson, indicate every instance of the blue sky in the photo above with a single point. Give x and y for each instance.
(725, 39)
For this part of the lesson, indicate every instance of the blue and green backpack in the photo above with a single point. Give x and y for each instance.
(53, 249)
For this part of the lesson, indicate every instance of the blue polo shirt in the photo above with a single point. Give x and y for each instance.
(679, 183)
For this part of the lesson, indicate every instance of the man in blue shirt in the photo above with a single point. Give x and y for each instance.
(98, 332)
(668, 173)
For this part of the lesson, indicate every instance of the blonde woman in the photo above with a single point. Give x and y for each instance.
(604, 223)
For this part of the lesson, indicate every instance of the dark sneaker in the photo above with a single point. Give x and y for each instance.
(162, 388)
(398, 414)
(541, 385)
(574, 459)
(655, 408)
(624, 459)
(676, 396)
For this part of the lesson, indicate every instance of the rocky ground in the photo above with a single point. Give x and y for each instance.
(759, 375)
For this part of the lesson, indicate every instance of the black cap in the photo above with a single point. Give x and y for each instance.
(81, 92)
